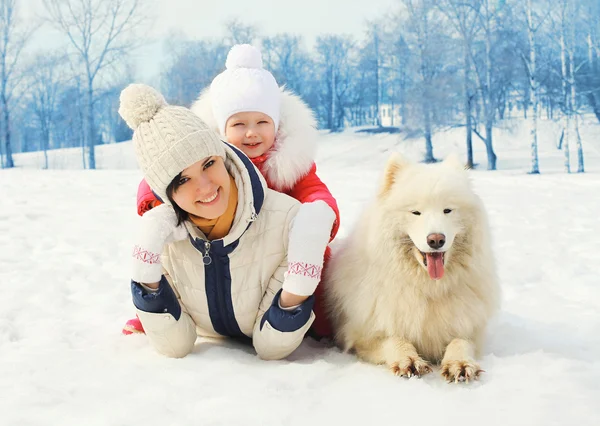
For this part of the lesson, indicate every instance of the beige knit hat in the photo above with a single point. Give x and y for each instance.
(167, 139)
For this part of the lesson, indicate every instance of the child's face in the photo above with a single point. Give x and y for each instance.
(252, 132)
(204, 188)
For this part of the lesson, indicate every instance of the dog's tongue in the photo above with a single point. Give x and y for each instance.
(435, 265)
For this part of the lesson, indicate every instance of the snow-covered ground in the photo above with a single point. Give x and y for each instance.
(64, 266)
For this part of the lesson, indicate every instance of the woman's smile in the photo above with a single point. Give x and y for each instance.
(212, 199)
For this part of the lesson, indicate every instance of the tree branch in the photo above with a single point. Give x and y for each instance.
(478, 135)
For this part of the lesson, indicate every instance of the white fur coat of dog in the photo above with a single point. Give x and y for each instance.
(416, 282)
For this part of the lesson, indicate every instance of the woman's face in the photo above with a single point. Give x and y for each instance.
(204, 188)
(252, 132)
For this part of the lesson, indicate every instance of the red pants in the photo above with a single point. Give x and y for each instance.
(322, 326)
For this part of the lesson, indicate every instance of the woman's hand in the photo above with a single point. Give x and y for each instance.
(310, 233)
(157, 228)
(287, 299)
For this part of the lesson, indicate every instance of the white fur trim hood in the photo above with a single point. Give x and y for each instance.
(294, 151)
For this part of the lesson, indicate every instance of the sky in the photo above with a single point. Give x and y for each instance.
(205, 19)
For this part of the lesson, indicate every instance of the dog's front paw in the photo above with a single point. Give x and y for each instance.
(411, 366)
(460, 371)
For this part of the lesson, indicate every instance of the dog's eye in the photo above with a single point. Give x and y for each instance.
(446, 211)
(416, 213)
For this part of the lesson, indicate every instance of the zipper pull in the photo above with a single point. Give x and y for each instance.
(206, 258)
(253, 216)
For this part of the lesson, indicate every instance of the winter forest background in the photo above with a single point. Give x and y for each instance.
(420, 68)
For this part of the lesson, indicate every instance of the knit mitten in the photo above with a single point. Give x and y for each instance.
(157, 228)
(309, 236)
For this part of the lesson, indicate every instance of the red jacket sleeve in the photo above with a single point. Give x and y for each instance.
(310, 188)
(145, 197)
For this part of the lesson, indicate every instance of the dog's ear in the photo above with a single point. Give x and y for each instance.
(395, 163)
(453, 160)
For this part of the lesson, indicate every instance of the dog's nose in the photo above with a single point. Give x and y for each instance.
(436, 241)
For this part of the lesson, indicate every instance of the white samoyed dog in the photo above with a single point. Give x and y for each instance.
(415, 281)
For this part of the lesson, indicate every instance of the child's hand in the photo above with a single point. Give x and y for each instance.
(287, 299)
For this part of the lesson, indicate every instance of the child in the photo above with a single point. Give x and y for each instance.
(277, 131)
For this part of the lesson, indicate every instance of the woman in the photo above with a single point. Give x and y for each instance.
(276, 130)
(212, 259)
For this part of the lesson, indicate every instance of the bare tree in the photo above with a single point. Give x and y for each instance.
(464, 14)
(592, 26)
(566, 95)
(13, 37)
(421, 25)
(191, 68)
(68, 120)
(370, 73)
(101, 33)
(376, 60)
(488, 17)
(533, 23)
(399, 73)
(47, 79)
(334, 55)
(572, 72)
(565, 22)
(287, 60)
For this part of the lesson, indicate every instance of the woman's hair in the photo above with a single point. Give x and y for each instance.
(182, 215)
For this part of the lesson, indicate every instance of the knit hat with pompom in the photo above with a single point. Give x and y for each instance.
(167, 139)
(244, 86)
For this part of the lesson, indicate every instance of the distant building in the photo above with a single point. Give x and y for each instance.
(390, 116)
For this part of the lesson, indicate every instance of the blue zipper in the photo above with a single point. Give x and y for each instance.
(223, 323)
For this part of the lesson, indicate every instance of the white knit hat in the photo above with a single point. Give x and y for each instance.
(244, 86)
(167, 139)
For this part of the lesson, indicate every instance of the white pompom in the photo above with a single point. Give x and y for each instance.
(244, 56)
(139, 103)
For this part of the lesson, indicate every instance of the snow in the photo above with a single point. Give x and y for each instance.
(65, 245)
